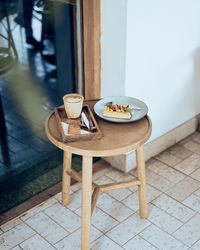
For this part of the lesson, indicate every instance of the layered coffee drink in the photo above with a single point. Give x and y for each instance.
(73, 105)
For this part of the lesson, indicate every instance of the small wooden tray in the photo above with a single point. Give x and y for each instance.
(61, 116)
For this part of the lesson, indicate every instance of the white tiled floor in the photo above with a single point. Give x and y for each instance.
(173, 194)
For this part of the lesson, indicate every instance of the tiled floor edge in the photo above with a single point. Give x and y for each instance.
(40, 198)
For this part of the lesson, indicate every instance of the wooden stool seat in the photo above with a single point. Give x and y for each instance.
(117, 139)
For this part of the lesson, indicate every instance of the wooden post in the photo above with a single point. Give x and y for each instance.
(86, 202)
(92, 48)
(95, 197)
(142, 178)
(66, 178)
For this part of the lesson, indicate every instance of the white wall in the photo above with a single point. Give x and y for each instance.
(113, 47)
(163, 59)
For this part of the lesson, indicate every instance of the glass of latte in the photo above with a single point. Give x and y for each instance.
(73, 105)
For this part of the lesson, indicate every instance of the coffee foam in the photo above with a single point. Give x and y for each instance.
(73, 99)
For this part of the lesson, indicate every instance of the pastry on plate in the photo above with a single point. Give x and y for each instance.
(118, 111)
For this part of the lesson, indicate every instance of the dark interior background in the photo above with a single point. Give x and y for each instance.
(43, 71)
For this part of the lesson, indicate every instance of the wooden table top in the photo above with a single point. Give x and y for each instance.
(117, 138)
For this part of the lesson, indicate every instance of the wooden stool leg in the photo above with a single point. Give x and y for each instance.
(142, 178)
(66, 179)
(86, 202)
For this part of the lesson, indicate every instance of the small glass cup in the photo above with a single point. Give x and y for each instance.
(73, 105)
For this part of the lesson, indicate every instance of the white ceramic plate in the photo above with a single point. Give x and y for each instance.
(140, 109)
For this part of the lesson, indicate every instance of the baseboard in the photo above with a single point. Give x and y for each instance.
(127, 162)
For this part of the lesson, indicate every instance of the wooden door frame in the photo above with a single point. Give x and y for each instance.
(91, 43)
(92, 48)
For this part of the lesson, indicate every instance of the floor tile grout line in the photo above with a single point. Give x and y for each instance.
(166, 150)
(124, 219)
(179, 229)
(182, 171)
(131, 237)
(77, 230)
(107, 237)
(11, 227)
(172, 167)
(37, 233)
(138, 234)
(59, 223)
(66, 236)
(181, 201)
(117, 172)
(163, 191)
(187, 138)
(185, 198)
(19, 247)
(41, 237)
(102, 233)
(30, 210)
(193, 172)
(182, 159)
(133, 212)
(156, 197)
(120, 202)
(198, 153)
(173, 184)
(169, 167)
(189, 175)
(137, 212)
(153, 223)
(118, 222)
(33, 236)
(166, 213)
(155, 187)
(193, 193)
(194, 243)
(179, 182)
(195, 141)
(195, 213)
(129, 197)
(108, 229)
(171, 214)
(25, 240)
(148, 241)
(113, 240)
(167, 232)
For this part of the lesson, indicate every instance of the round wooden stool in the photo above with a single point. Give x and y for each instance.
(117, 139)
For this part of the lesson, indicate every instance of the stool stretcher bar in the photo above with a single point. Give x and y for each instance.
(119, 185)
(78, 177)
(102, 188)
(95, 197)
